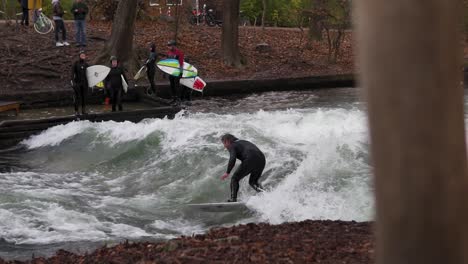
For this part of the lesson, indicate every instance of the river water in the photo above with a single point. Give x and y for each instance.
(81, 185)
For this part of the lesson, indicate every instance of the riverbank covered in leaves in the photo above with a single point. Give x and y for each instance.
(31, 62)
(299, 242)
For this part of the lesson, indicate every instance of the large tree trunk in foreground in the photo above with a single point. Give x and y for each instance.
(120, 43)
(230, 34)
(410, 63)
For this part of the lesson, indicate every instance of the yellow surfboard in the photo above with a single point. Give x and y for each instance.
(34, 4)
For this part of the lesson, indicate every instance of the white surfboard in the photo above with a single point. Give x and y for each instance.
(196, 83)
(96, 74)
(124, 84)
(219, 207)
(140, 73)
(171, 67)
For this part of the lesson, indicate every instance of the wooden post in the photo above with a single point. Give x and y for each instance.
(410, 58)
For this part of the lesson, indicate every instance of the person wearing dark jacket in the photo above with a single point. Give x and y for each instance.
(25, 9)
(113, 83)
(175, 53)
(59, 24)
(79, 11)
(80, 82)
(253, 163)
(151, 67)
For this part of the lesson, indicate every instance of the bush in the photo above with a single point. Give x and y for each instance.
(66, 5)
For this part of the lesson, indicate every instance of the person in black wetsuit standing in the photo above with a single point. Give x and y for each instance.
(151, 67)
(253, 163)
(113, 83)
(80, 83)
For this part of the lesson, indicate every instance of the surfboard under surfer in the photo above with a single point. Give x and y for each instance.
(253, 163)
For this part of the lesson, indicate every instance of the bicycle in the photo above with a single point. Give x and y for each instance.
(43, 24)
(198, 17)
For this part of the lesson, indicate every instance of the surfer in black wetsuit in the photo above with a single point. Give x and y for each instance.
(151, 67)
(113, 82)
(253, 163)
(80, 83)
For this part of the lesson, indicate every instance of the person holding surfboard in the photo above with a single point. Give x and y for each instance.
(151, 67)
(79, 82)
(177, 54)
(114, 83)
(253, 163)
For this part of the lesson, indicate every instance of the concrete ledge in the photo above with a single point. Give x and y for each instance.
(64, 97)
(58, 98)
(218, 88)
(230, 87)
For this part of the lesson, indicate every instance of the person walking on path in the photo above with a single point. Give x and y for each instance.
(113, 83)
(80, 83)
(79, 10)
(59, 23)
(151, 67)
(25, 10)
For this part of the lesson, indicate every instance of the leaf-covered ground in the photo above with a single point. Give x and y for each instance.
(301, 242)
(30, 61)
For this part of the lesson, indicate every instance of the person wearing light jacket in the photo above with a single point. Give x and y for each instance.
(59, 23)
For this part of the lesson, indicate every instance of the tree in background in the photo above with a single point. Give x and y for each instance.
(251, 9)
(120, 43)
(333, 17)
(284, 13)
(264, 7)
(230, 33)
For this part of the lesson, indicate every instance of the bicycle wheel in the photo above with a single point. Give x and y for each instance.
(43, 25)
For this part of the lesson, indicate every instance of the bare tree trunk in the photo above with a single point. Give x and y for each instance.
(230, 34)
(415, 102)
(120, 43)
(6, 17)
(92, 6)
(340, 32)
(264, 5)
(329, 43)
(177, 17)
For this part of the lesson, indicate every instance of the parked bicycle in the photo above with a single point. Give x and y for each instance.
(43, 24)
(198, 17)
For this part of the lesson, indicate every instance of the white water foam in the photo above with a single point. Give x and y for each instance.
(331, 142)
(316, 169)
(51, 223)
(56, 135)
